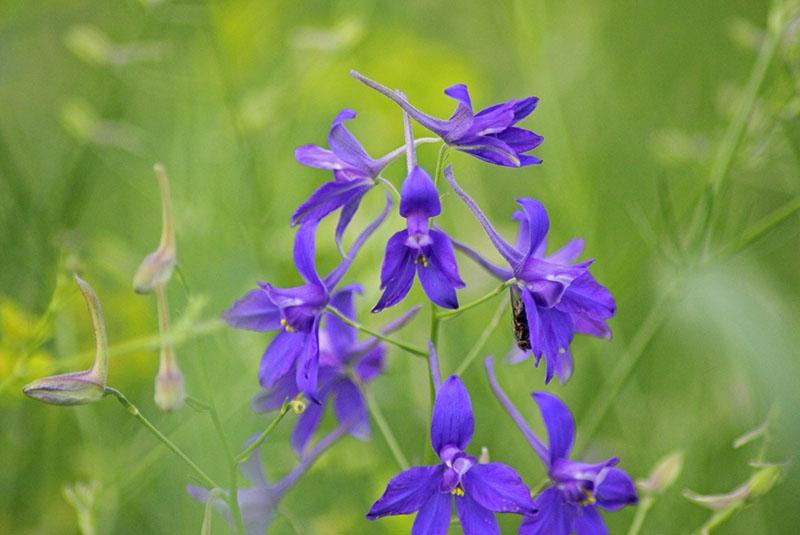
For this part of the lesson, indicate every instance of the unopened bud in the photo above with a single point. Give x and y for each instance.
(484, 458)
(298, 404)
(157, 267)
(89, 44)
(78, 388)
(762, 481)
(664, 474)
(758, 485)
(170, 393)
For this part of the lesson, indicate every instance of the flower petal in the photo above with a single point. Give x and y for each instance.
(439, 275)
(397, 272)
(307, 424)
(304, 252)
(452, 423)
(590, 305)
(407, 492)
(434, 517)
(519, 139)
(271, 400)
(509, 253)
(254, 312)
(491, 149)
(418, 195)
(553, 518)
(588, 521)
(344, 145)
(371, 365)
(567, 254)
(332, 196)
(499, 272)
(345, 217)
(308, 362)
(538, 224)
(556, 337)
(351, 408)
(474, 518)
(279, 357)
(559, 423)
(314, 156)
(498, 488)
(616, 490)
(341, 335)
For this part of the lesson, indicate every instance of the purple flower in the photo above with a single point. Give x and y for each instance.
(354, 173)
(479, 490)
(259, 503)
(571, 503)
(489, 135)
(344, 364)
(552, 298)
(419, 249)
(296, 312)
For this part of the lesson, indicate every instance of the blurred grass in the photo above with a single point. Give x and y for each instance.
(222, 92)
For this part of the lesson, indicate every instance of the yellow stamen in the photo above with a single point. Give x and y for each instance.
(589, 498)
(289, 328)
(422, 260)
(458, 491)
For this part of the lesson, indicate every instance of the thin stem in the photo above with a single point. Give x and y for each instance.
(233, 469)
(131, 408)
(389, 187)
(482, 339)
(440, 163)
(641, 513)
(242, 457)
(385, 430)
(411, 156)
(402, 345)
(450, 314)
(765, 225)
(167, 362)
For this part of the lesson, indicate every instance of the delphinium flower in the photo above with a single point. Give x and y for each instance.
(354, 173)
(296, 312)
(570, 504)
(419, 249)
(259, 503)
(478, 490)
(552, 298)
(489, 134)
(345, 366)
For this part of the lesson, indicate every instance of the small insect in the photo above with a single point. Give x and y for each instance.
(519, 319)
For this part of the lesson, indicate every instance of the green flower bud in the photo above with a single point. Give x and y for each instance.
(157, 267)
(170, 393)
(664, 474)
(298, 404)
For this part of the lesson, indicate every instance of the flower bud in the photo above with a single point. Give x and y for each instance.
(762, 481)
(78, 388)
(170, 393)
(157, 267)
(484, 458)
(298, 404)
(664, 474)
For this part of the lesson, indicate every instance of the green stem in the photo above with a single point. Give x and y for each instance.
(385, 430)
(131, 408)
(440, 163)
(641, 513)
(450, 314)
(482, 339)
(242, 457)
(389, 340)
(233, 470)
(765, 225)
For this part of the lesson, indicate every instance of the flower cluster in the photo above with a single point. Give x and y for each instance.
(317, 355)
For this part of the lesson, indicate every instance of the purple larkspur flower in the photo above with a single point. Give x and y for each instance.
(418, 249)
(295, 312)
(345, 365)
(259, 503)
(478, 490)
(489, 135)
(570, 504)
(552, 297)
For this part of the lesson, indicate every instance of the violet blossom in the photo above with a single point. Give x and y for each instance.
(570, 504)
(489, 135)
(295, 312)
(552, 297)
(346, 365)
(478, 490)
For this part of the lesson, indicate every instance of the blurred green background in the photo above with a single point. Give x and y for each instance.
(635, 100)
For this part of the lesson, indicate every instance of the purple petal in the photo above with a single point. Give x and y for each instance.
(332, 196)
(434, 517)
(308, 362)
(271, 400)
(534, 324)
(567, 254)
(498, 488)
(254, 312)
(475, 519)
(452, 423)
(559, 423)
(307, 424)
(438, 126)
(512, 256)
(314, 156)
(491, 149)
(556, 337)
(397, 272)
(418, 195)
(279, 357)
(534, 270)
(439, 275)
(525, 160)
(616, 490)
(351, 409)
(341, 335)
(493, 120)
(345, 146)
(499, 272)
(519, 139)
(460, 122)
(537, 224)
(460, 93)
(588, 521)
(371, 365)
(554, 516)
(565, 470)
(407, 492)
(253, 469)
(590, 305)
(304, 253)
(345, 217)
